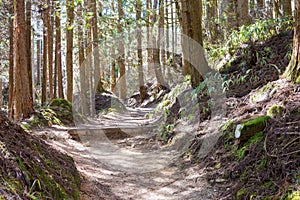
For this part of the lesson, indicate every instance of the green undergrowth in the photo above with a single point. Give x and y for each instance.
(259, 31)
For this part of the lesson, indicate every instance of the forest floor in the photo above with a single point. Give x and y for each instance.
(134, 167)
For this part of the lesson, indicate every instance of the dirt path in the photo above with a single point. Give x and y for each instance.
(137, 167)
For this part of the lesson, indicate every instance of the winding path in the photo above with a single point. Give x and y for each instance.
(119, 158)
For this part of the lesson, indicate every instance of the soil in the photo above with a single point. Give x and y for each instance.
(136, 179)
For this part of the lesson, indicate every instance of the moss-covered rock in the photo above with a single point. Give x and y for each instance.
(275, 111)
(63, 109)
(246, 130)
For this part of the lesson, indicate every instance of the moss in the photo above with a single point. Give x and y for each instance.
(253, 126)
(257, 120)
(254, 139)
(275, 111)
(62, 103)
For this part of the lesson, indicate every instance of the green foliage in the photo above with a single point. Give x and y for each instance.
(165, 131)
(260, 30)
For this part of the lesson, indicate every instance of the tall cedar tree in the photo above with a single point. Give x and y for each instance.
(23, 105)
(69, 56)
(121, 53)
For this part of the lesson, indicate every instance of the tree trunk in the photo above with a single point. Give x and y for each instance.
(89, 60)
(186, 22)
(28, 44)
(96, 55)
(58, 65)
(243, 17)
(50, 47)
(69, 56)
(276, 9)
(231, 14)
(212, 19)
(149, 49)
(113, 71)
(293, 70)
(121, 63)
(287, 8)
(143, 91)
(156, 49)
(259, 8)
(44, 74)
(11, 66)
(38, 58)
(81, 61)
(23, 101)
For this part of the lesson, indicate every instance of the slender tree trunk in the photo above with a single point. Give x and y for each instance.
(186, 21)
(276, 8)
(89, 60)
(81, 61)
(231, 14)
(259, 8)
(28, 44)
(113, 71)
(212, 19)
(50, 47)
(58, 59)
(293, 70)
(149, 49)
(243, 17)
(11, 67)
(167, 30)
(69, 56)
(121, 62)
(45, 56)
(161, 37)
(143, 91)
(287, 8)
(96, 55)
(155, 49)
(23, 101)
(38, 58)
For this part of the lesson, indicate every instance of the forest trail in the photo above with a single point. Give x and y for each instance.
(131, 164)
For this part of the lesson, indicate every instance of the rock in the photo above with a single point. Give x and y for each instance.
(63, 110)
(106, 100)
(245, 131)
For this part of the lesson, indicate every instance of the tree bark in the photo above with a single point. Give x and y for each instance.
(28, 44)
(143, 91)
(81, 61)
(11, 66)
(156, 49)
(23, 101)
(121, 63)
(50, 46)
(45, 61)
(58, 65)
(293, 70)
(287, 8)
(276, 9)
(69, 56)
(243, 17)
(96, 54)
